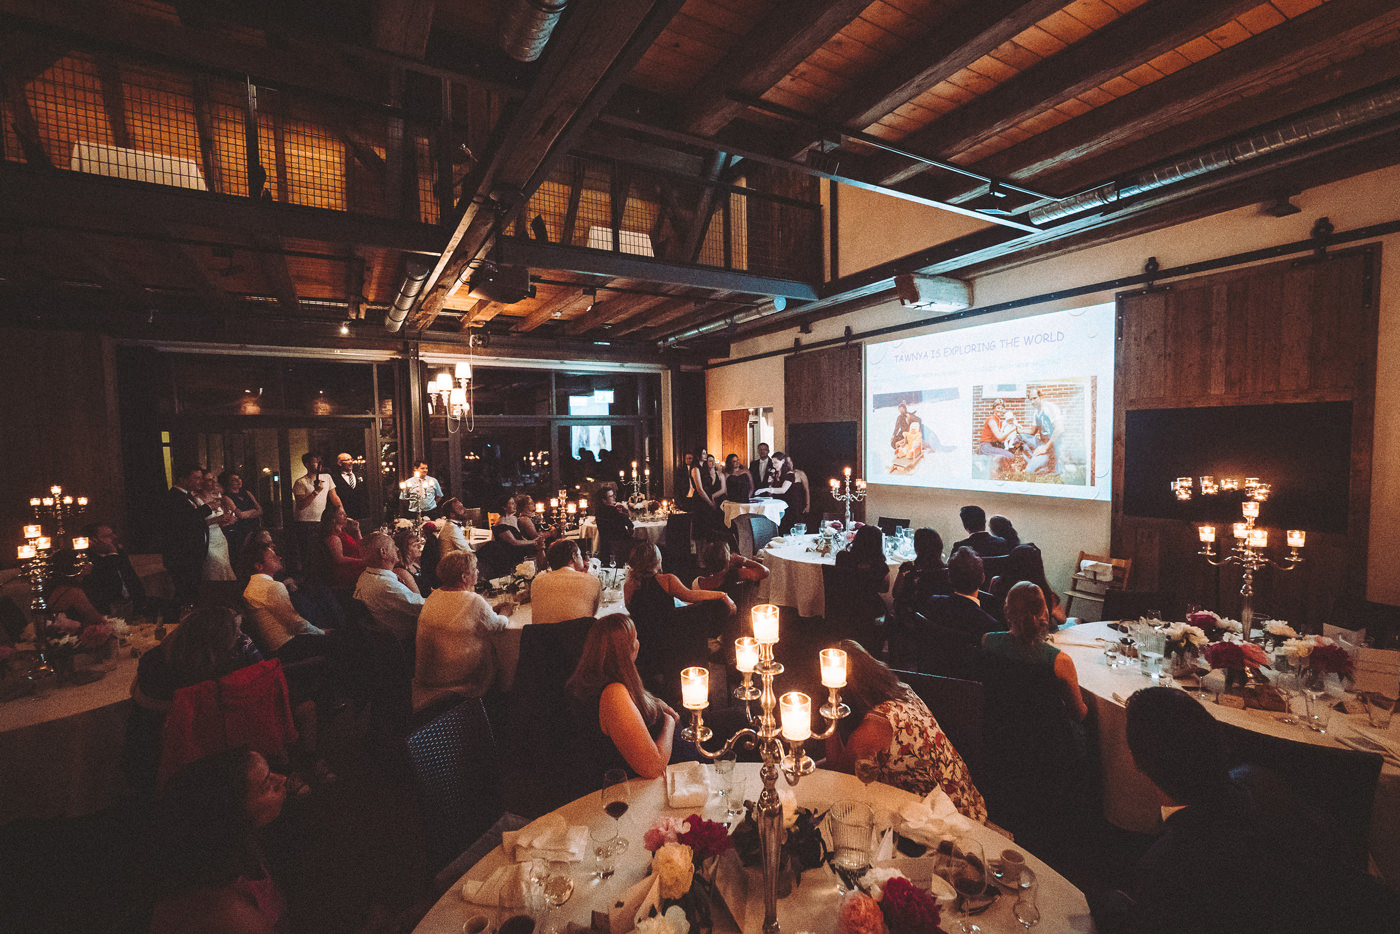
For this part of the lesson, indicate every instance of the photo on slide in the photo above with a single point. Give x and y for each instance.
(922, 427)
(1040, 433)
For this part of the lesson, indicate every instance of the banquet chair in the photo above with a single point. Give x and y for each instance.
(677, 642)
(677, 552)
(889, 525)
(920, 644)
(1339, 782)
(853, 611)
(957, 706)
(753, 532)
(456, 779)
(1084, 587)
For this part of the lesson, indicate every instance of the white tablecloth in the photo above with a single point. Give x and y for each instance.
(1129, 799)
(810, 907)
(771, 509)
(795, 575)
(651, 530)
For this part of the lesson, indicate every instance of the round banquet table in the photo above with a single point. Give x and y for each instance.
(1129, 799)
(650, 530)
(771, 509)
(795, 575)
(811, 905)
(60, 755)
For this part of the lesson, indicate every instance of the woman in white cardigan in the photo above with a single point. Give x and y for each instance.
(453, 649)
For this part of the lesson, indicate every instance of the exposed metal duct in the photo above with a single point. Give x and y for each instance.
(415, 274)
(1285, 135)
(526, 26)
(744, 316)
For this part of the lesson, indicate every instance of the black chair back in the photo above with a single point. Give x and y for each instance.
(676, 643)
(853, 610)
(889, 525)
(1339, 782)
(12, 621)
(495, 559)
(676, 554)
(428, 561)
(377, 668)
(957, 706)
(1134, 604)
(456, 779)
(920, 644)
(753, 532)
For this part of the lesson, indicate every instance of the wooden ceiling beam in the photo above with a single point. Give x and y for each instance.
(1138, 37)
(90, 255)
(590, 55)
(278, 277)
(109, 78)
(469, 317)
(634, 319)
(190, 262)
(402, 26)
(775, 45)
(610, 307)
(566, 305)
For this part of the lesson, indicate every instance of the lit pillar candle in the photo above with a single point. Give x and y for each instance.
(1208, 534)
(573, 509)
(33, 531)
(55, 490)
(695, 688)
(1251, 510)
(847, 472)
(833, 668)
(860, 484)
(745, 654)
(539, 508)
(1240, 530)
(1259, 538)
(34, 501)
(1296, 537)
(553, 503)
(80, 544)
(82, 501)
(646, 471)
(48, 500)
(796, 710)
(43, 543)
(67, 500)
(583, 502)
(765, 623)
(27, 552)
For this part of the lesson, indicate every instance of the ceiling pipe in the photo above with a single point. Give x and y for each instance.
(1281, 136)
(415, 274)
(746, 316)
(526, 26)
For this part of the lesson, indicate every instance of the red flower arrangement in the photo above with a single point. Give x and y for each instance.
(909, 910)
(1236, 656)
(705, 838)
(1330, 658)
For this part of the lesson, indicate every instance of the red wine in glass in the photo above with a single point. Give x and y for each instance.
(615, 796)
(615, 809)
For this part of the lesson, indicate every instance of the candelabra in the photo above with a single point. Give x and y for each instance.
(848, 492)
(58, 506)
(1250, 542)
(755, 655)
(36, 558)
(640, 484)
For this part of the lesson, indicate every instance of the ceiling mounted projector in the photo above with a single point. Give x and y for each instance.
(932, 293)
(504, 284)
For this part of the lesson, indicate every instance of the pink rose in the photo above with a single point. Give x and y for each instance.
(665, 830)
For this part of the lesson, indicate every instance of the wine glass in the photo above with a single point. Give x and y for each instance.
(1314, 685)
(558, 886)
(967, 871)
(616, 795)
(1025, 909)
(1286, 683)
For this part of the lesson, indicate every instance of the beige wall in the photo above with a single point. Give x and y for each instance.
(1062, 528)
(876, 228)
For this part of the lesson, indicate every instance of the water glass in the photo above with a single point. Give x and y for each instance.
(1379, 709)
(1025, 910)
(1110, 654)
(1319, 711)
(724, 779)
(852, 829)
(603, 833)
(799, 528)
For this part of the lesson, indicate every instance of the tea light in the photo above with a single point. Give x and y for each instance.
(1259, 538)
(765, 623)
(1251, 509)
(33, 531)
(1240, 530)
(796, 710)
(695, 688)
(1207, 534)
(553, 503)
(27, 552)
(1208, 485)
(583, 502)
(646, 471)
(573, 509)
(1229, 483)
(43, 543)
(1296, 537)
(80, 543)
(745, 654)
(833, 668)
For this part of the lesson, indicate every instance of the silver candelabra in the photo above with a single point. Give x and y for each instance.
(847, 491)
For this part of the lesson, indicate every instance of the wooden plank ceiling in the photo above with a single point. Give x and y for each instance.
(390, 132)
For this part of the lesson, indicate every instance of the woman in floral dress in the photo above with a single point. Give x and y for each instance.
(893, 738)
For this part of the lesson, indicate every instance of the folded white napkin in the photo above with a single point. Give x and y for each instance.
(505, 887)
(932, 819)
(549, 837)
(687, 785)
(636, 904)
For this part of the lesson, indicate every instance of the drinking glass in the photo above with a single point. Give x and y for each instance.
(1379, 710)
(616, 795)
(1314, 684)
(852, 826)
(1286, 683)
(799, 528)
(603, 833)
(967, 870)
(1025, 909)
(724, 778)
(558, 882)
(1110, 654)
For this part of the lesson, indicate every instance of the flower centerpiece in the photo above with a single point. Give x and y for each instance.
(1182, 644)
(892, 905)
(1216, 627)
(802, 845)
(685, 854)
(1241, 662)
(1320, 654)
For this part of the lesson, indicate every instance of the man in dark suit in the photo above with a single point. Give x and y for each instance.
(350, 487)
(113, 580)
(184, 533)
(987, 545)
(758, 469)
(963, 610)
(944, 637)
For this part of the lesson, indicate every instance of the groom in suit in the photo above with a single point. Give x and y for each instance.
(350, 487)
(184, 533)
(758, 469)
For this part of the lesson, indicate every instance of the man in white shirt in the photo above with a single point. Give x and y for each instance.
(421, 493)
(566, 590)
(311, 494)
(279, 628)
(392, 605)
(452, 530)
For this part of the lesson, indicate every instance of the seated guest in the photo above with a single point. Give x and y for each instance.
(65, 589)
(508, 532)
(923, 577)
(112, 580)
(618, 723)
(566, 590)
(335, 554)
(987, 545)
(280, 629)
(389, 602)
(452, 649)
(963, 609)
(1001, 527)
(409, 568)
(738, 485)
(212, 875)
(945, 638)
(1025, 564)
(614, 524)
(725, 570)
(1237, 852)
(892, 737)
(533, 524)
(651, 595)
(866, 556)
(1029, 623)
(452, 530)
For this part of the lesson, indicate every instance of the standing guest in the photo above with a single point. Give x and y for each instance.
(783, 484)
(452, 530)
(213, 876)
(923, 577)
(312, 492)
(1029, 628)
(566, 590)
(709, 491)
(113, 581)
(1025, 564)
(737, 483)
(280, 629)
(987, 545)
(614, 524)
(421, 493)
(892, 737)
(246, 509)
(391, 604)
(650, 595)
(351, 488)
(759, 467)
(452, 649)
(335, 558)
(184, 532)
(684, 492)
(409, 568)
(1001, 527)
(218, 561)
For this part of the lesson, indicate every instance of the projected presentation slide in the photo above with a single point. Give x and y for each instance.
(1022, 406)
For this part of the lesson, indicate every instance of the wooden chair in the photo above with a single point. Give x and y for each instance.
(456, 779)
(1084, 587)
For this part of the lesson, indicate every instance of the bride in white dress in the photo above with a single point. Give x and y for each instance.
(217, 565)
